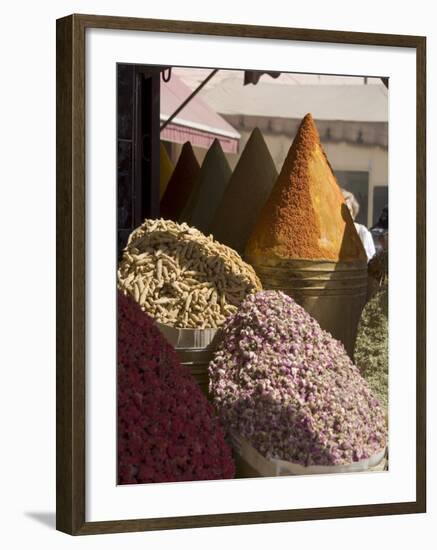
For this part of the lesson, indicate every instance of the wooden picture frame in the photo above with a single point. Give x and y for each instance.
(71, 253)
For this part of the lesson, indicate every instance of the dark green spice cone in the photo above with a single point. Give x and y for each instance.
(371, 349)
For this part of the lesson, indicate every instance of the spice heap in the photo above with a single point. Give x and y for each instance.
(280, 381)
(165, 169)
(181, 277)
(208, 189)
(305, 216)
(378, 271)
(248, 189)
(167, 430)
(371, 349)
(181, 184)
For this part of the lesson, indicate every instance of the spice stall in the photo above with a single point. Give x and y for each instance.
(251, 285)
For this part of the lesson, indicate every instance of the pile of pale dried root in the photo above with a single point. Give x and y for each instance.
(183, 278)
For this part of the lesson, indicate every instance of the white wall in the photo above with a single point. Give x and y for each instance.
(28, 252)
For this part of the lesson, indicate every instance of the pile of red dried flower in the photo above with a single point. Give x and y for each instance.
(167, 430)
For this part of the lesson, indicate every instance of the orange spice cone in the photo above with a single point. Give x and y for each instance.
(305, 216)
(180, 184)
(305, 243)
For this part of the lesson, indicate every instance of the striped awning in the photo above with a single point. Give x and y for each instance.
(197, 122)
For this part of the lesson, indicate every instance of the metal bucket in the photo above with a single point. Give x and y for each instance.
(195, 348)
(334, 293)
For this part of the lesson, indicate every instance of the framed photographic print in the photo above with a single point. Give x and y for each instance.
(238, 340)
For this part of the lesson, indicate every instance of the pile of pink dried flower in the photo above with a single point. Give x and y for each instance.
(289, 388)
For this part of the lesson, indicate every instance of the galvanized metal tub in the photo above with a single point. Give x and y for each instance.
(334, 293)
(195, 348)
